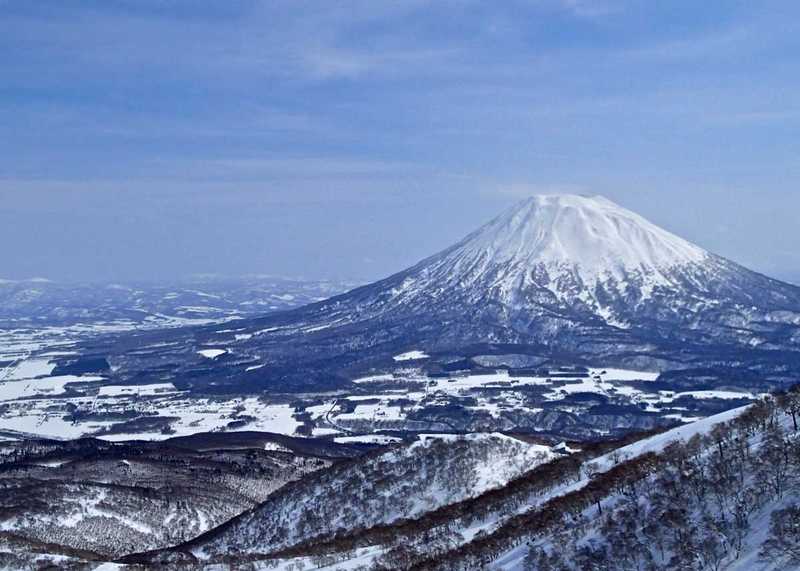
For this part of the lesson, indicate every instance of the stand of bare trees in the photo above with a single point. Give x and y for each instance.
(690, 507)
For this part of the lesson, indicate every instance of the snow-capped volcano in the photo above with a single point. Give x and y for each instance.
(589, 235)
(573, 276)
(577, 248)
(573, 273)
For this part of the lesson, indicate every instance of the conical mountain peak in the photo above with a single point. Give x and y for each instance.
(589, 234)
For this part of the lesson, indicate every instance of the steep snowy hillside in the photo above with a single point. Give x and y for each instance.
(553, 264)
(400, 484)
(719, 494)
(571, 241)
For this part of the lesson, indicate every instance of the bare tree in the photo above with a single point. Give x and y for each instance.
(782, 547)
(790, 402)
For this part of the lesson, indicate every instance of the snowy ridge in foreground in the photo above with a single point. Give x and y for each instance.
(398, 484)
(701, 497)
(706, 501)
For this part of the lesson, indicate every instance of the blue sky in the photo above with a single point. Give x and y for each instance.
(155, 139)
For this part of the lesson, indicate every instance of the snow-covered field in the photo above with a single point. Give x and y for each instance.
(187, 415)
(136, 390)
(45, 386)
(39, 403)
(606, 382)
(28, 369)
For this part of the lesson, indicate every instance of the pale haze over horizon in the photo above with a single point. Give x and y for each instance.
(146, 140)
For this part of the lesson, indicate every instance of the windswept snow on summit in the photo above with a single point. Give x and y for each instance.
(586, 253)
(590, 235)
(563, 258)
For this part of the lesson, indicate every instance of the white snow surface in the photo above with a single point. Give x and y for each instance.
(411, 356)
(368, 439)
(659, 442)
(212, 353)
(136, 390)
(402, 482)
(589, 234)
(512, 559)
(49, 386)
(27, 369)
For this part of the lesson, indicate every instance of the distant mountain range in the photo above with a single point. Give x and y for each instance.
(41, 302)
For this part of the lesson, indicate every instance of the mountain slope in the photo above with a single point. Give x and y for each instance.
(114, 499)
(700, 496)
(706, 496)
(377, 489)
(573, 259)
(569, 275)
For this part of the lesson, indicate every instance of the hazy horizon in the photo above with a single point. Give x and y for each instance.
(149, 141)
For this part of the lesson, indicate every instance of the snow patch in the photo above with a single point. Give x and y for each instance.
(411, 356)
(212, 353)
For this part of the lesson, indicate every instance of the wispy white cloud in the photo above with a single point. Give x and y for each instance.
(298, 100)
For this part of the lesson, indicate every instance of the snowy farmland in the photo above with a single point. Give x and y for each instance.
(157, 411)
(36, 399)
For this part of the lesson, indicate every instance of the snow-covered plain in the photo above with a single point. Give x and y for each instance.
(51, 386)
(205, 415)
(135, 390)
(40, 401)
(28, 369)
(367, 439)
